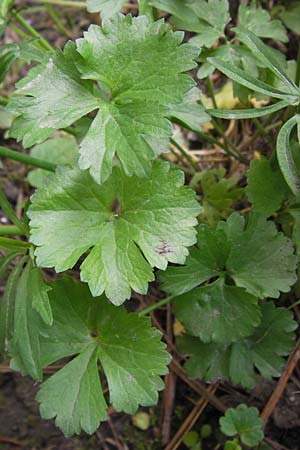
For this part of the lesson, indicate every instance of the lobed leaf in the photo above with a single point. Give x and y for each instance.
(130, 225)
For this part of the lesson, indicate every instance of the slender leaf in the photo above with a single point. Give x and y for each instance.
(247, 113)
(10, 213)
(285, 157)
(243, 78)
(13, 244)
(266, 56)
(7, 305)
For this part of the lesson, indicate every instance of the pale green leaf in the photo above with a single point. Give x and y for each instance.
(116, 70)
(39, 295)
(131, 225)
(244, 422)
(218, 313)
(106, 7)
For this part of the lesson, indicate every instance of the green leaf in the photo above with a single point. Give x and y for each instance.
(13, 245)
(60, 151)
(218, 313)
(254, 255)
(261, 260)
(39, 295)
(115, 70)
(179, 8)
(118, 220)
(287, 163)
(232, 445)
(24, 346)
(24, 51)
(129, 349)
(264, 54)
(237, 362)
(8, 301)
(190, 114)
(107, 7)
(244, 422)
(290, 16)
(247, 113)
(258, 20)
(243, 78)
(266, 188)
(78, 384)
(204, 262)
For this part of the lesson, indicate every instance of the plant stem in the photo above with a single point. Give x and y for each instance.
(10, 213)
(185, 154)
(294, 304)
(151, 308)
(31, 30)
(74, 4)
(10, 230)
(146, 9)
(26, 159)
(56, 19)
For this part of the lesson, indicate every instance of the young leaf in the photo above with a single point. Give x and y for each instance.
(107, 7)
(129, 349)
(285, 157)
(254, 255)
(60, 151)
(258, 20)
(24, 345)
(245, 422)
(263, 350)
(218, 313)
(266, 188)
(118, 220)
(128, 58)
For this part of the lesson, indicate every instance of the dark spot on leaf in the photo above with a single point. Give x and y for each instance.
(163, 248)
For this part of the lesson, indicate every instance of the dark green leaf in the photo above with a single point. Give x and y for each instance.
(244, 422)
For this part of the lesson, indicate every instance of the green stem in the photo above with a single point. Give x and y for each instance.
(297, 79)
(31, 30)
(74, 4)
(211, 92)
(10, 230)
(294, 304)
(10, 213)
(26, 159)
(185, 154)
(56, 19)
(146, 9)
(151, 308)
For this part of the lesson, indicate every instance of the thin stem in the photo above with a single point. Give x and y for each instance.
(10, 213)
(10, 230)
(210, 90)
(56, 19)
(31, 30)
(294, 304)
(151, 308)
(146, 9)
(185, 154)
(73, 4)
(26, 159)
